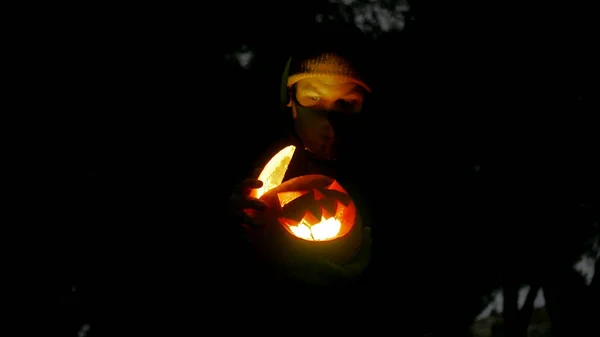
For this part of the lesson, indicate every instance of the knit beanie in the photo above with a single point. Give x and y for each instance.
(333, 49)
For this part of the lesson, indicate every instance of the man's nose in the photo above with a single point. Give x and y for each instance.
(331, 106)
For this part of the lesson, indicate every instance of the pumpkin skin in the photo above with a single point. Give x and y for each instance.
(307, 199)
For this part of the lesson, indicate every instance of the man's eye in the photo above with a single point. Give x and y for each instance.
(315, 98)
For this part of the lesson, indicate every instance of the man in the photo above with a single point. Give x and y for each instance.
(324, 94)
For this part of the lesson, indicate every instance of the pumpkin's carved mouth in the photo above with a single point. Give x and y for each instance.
(314, 215)
(324, 230)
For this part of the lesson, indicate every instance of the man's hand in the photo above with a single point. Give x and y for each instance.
(240, 201)
(323, 271)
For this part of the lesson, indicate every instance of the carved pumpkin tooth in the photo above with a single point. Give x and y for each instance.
(288, 222)
(318, 194)
(325, 214)
(339, 211)
(309, 218)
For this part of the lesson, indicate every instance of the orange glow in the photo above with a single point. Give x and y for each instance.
(323, 226)
(286, 197)
(335, 186)
(327, 228)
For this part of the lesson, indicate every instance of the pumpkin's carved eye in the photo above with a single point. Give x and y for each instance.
(287, 197)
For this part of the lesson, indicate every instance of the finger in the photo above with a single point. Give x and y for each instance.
(360, 261)
(327, 272)
(251, 183)
(240, 202)
(358, 264)
(240, 217)
(330, 267)
(319, 271)
(249, 221)
(253, 203)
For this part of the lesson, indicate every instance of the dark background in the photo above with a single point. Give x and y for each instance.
(149, 122)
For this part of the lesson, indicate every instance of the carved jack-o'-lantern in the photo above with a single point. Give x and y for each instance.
(308, 215)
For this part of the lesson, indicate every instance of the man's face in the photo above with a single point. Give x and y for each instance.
(316, 102)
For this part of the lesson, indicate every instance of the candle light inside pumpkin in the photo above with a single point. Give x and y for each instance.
(324, 230)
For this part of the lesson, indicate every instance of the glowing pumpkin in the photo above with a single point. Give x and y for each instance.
(308, 215)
